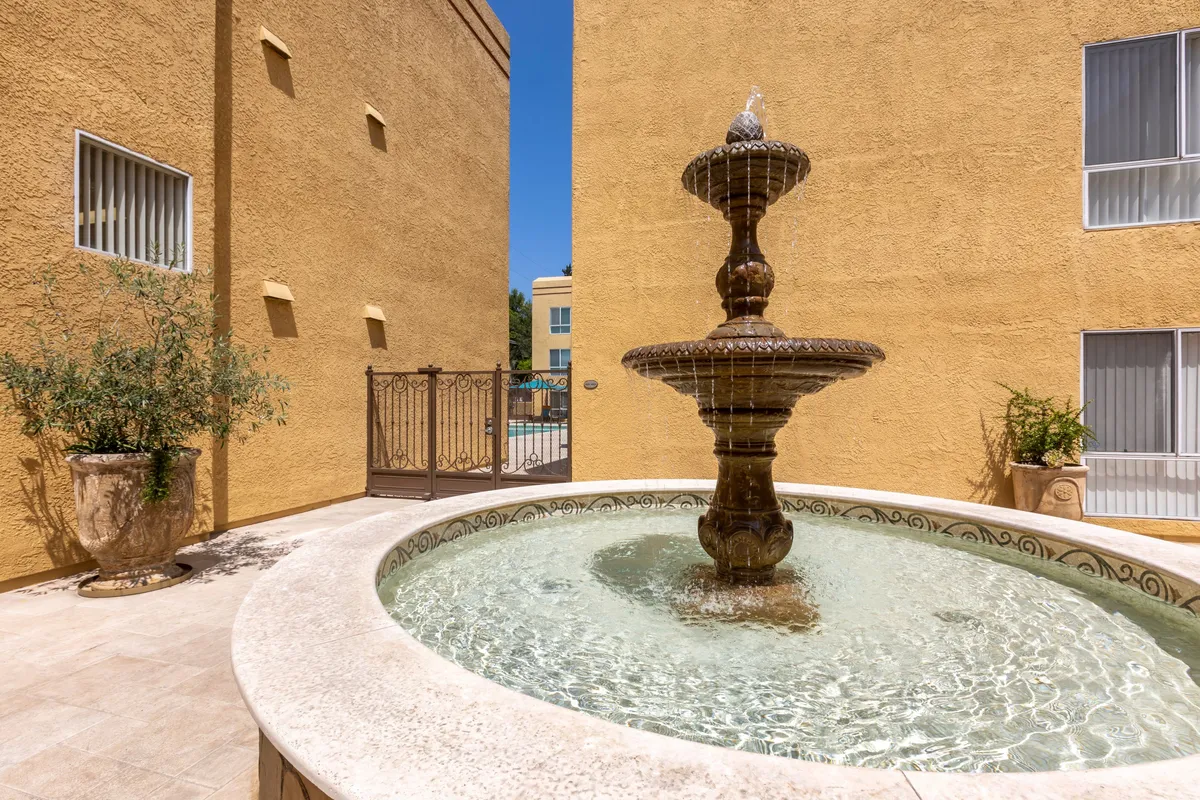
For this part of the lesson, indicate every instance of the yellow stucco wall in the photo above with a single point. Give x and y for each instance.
(942, 221)
(549, 293)
(290, 184)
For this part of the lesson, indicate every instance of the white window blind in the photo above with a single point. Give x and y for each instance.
(1140, 95)
(1127, 383)
(560, 319)
(130, 206)
(1191, 92)
(1143, 395)
(1189, 393)
(1131, 101)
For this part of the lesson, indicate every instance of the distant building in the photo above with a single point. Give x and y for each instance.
(552, 323)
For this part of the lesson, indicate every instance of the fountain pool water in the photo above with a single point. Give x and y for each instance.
(924, 657)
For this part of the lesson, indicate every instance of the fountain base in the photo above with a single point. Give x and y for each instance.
(707, 595)
(745, 546)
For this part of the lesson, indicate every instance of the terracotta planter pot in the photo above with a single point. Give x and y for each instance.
(133, 542)
(1057, 491)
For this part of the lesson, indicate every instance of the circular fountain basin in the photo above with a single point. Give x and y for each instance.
(1020, 624)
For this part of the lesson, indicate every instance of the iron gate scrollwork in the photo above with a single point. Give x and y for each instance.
(433, 433)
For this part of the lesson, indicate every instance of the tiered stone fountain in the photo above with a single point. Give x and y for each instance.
(747, 374)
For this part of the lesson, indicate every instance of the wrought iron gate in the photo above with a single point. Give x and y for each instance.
(433, 433)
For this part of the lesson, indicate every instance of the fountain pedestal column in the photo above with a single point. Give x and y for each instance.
(744, 530)
(747, 374)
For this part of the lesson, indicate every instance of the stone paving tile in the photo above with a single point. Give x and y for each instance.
(89, 685)
(183, 734)
(242, 787)
(36, 603)
(59, 625)
(179, 790)
(209, 650)
(216, 683)
(98, 737)
(29, 731)
(159, 648)
(221, 766)
(133, 785)
(140, 684)
(131, 700)
(17, 701)
(63, 773)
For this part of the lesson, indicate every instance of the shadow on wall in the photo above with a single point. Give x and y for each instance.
(54, 521)
(282, 318)
(377, 133)
(279, 71)
(378, 334)
(991, 484)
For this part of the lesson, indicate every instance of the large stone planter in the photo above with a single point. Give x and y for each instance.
(133, 542)
(1057, 491)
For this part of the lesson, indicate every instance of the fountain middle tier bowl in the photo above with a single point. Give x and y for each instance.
(755, 372)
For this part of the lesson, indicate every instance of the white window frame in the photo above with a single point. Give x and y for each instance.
(125, 151)
(1181, 95)
(1177, 397)
(553, 332)
(553, 350)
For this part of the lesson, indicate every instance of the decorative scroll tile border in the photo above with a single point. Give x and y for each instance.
(427, 540)
(1096, 562)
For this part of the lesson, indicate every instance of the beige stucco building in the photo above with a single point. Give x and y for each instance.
(953, 216)
(369, 167)
(552, 322)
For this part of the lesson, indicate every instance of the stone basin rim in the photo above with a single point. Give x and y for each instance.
(342, 690)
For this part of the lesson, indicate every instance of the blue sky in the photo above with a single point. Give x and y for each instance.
(540, 199)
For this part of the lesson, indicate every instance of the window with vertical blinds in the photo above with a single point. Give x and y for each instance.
(1141, 130)
(559, 358)
(130, 206)
(560, 319)
(1142, 390)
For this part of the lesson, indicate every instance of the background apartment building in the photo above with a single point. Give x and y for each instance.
(552, 323)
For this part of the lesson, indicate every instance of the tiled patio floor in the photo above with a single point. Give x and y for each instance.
(133, 697)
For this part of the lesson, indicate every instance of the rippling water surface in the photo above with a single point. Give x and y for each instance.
(925, 656)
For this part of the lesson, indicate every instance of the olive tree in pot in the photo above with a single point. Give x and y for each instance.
(126, 388)
(1046, 439)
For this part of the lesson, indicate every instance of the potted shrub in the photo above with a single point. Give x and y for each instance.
(126, 388)
(1046, 440)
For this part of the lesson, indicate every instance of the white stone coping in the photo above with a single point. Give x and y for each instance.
(367, 712)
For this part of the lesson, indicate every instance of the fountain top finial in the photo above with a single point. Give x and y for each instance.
(744, 128)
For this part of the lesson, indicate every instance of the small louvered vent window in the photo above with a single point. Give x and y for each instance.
(131, 206)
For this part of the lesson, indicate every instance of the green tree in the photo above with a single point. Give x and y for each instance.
(520, 329)
(567, 270)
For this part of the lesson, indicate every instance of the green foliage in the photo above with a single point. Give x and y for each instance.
(147, 373)
(1042, 432)
(567, 270)
(524, 363)
(520, 329)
